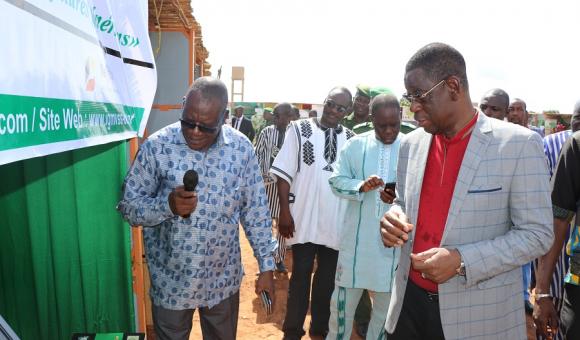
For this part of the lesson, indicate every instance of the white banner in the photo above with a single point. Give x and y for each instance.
(73, 73)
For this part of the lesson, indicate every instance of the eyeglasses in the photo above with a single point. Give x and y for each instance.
(331, 104)
(420, 97)
(192, 125)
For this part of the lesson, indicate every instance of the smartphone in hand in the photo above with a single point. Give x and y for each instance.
(390, 185)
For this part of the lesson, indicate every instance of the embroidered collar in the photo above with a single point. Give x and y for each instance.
(338, 129)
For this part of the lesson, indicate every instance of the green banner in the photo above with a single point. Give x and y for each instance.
(65, 263)
(29, 121)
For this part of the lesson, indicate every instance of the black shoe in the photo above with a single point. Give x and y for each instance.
(362, 329)
(315, 333)
(528, 307)
(287, 337)
(281, 268)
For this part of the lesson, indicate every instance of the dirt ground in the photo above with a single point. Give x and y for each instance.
(253, 322)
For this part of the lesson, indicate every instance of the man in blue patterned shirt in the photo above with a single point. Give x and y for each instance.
(194, 261)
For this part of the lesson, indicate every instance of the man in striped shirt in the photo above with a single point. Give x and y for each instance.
(550, 283)
(269, 142)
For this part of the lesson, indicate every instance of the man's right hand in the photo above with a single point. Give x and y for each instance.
(394, 227)
(545, 317)
(182, 202)
(286, 224)
(371, 183)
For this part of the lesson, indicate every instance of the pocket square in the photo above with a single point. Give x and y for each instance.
(480, 191)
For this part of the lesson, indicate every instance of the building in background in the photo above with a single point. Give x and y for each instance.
(180, 57)
(551, 120)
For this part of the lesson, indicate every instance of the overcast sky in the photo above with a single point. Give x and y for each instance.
(298, 50)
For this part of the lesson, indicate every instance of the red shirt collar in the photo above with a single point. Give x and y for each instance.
(464, 132)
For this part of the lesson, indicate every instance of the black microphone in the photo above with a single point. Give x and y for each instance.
(190, 180)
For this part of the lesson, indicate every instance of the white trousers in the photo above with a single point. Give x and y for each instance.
(343, 306)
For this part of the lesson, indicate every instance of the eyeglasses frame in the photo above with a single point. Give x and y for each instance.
(412, 98)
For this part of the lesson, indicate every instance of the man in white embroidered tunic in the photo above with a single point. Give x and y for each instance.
(364, 165)
(309, 211)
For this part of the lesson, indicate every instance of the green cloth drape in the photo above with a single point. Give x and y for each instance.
(64, 250)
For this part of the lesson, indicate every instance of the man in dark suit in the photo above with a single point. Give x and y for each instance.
(243, 124)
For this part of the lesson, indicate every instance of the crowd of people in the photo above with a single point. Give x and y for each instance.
(439, 232)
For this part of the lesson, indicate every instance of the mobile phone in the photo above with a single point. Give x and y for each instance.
(390, 185)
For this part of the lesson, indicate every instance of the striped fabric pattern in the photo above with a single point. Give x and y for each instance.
(341, 305)
(269, 143)
(280, 253)
(273, 200)
(552, 146)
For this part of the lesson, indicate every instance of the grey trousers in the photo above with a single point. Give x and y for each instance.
(217, 323)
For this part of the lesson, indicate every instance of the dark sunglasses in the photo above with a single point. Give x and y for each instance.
(202, 128)
(332, 105)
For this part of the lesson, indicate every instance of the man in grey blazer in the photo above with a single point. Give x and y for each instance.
(473, 206)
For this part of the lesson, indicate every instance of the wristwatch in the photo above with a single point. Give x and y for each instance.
(541, 296)
(461, 269)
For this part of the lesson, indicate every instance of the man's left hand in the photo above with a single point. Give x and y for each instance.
(437, 264)
(545, 317)
(265, 282)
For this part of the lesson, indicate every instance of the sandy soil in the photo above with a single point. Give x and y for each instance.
(253, 323)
